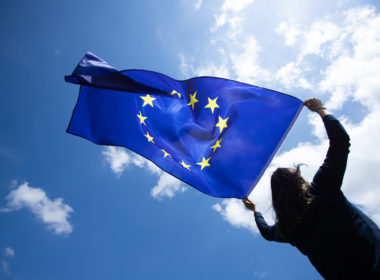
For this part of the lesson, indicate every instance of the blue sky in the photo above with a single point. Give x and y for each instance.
(70, 209)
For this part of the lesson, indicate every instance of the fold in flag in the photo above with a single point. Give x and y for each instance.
(216, 135)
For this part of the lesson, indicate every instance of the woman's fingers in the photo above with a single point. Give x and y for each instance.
(313, 104)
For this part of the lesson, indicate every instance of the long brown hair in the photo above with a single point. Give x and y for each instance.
(289, 199)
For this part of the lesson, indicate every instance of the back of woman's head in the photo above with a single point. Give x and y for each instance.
(289, 199)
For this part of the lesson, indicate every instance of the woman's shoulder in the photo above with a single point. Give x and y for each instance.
(324, 191)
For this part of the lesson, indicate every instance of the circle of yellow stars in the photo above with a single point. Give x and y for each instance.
(212, 105)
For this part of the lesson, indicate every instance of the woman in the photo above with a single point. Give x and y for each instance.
(339, 240)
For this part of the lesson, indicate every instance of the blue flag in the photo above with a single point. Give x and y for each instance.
(215, 134)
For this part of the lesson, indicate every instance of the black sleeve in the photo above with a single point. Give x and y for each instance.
(270, 233)
(330, 175)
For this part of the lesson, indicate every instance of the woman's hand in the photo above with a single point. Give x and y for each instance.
(315, 105)
(249, 204)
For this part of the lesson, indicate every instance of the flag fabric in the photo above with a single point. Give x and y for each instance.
(215, 134)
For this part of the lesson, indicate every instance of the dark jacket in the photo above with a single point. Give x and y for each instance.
(339, 239)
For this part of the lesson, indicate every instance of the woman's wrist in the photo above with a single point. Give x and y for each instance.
(322, 111)
(320, 108)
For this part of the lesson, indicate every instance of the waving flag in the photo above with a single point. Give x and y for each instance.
(215, 134)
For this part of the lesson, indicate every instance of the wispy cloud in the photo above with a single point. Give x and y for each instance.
(167, 186)
(5, 210)
(289, 32)
(206, 69)
(246, 63)
(198, 4)
(240, 61)
(57, 52)
(10, 154)
(9, 254)
(235, 53)
(291, 76)
(228, 14)
(54, 213)
(5, 267)
(120, 160)
(232, 212)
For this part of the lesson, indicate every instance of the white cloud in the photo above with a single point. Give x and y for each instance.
(233, 212)
(5, 210)
(119, 160)
(206, 68)
(160, 35)
(342, 3)
(242, 63)
(54, 213)
(289, 32)
(234, 56)
(5, 267)
(320, 33)
(167, 186)
(229, 14)
(9, 252)
(213, 70)
(235, 5)
(186, 65)
(10, 154)
(246, 63)
(355, 72)
(198, 4)
(290, 76)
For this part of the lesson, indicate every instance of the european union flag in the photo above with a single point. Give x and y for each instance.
(215, 134)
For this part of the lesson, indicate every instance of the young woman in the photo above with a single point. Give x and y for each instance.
(339, 239)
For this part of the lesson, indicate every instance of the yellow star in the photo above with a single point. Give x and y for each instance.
(212, 104)
(217, 145)
(150, 138)
(148, 100)
(176, 92)
(193, 100)
(142, 118)
(222, 123)
(204, 163)
(165, 153)
(187, 166)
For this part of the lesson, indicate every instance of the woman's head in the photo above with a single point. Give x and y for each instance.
(289, 198)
